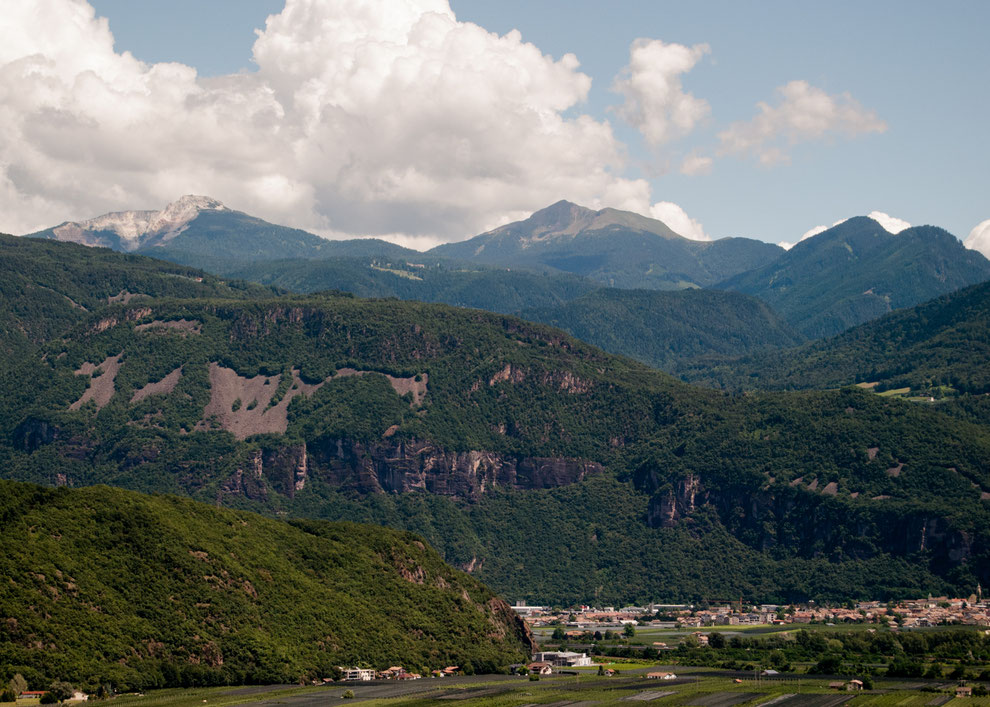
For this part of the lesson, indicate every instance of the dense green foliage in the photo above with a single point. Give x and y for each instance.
(425, 279)
(616, 248)
(857, 271)
(772, 496)
(956, 653)
(941, 343)
(105, 586)
(669, 330)
(47, 287)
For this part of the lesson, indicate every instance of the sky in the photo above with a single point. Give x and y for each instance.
(428, 121)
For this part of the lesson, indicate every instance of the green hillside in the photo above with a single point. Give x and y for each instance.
(857, 271)
(668, 330)
(106, 586)
(46, 287)
(424, 278)
(550, 469)
(939, 347)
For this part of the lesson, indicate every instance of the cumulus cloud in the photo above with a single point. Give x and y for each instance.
(891, 224)
(979, 238)
(803, 113)
(787, 245)
(655, 101)
(361, 120)
(678, 221)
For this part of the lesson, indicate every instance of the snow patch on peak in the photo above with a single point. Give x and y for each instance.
(135, 229)
(175, 218)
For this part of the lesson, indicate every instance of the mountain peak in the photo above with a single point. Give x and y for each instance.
(134, 229)
(565, 218)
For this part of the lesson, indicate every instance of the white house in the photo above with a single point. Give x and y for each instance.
(363, 674)
(564, 659)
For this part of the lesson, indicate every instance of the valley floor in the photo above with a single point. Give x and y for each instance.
(695, 687)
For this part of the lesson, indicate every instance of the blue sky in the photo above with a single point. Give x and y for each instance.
(916, 69)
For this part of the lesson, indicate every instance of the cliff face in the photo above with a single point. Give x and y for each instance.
(399, 466)
(808, 523)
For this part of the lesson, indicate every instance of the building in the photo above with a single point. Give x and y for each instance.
(524, 610)
(361, 674)
(540, 667)
(563, 659)
(661, 676)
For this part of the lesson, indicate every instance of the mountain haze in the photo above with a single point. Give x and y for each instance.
(201, 232)
(423, 278)
(669, 330)
(617, 248)
(857, 271)
(942, 343)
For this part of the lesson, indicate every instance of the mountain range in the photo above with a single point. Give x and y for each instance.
(849, 274)
(937, 348)
(486, 434)
(489, 435)
(616, 248)
(857, 271)
(201, 231)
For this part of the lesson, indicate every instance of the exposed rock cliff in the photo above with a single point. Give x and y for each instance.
(398, 466)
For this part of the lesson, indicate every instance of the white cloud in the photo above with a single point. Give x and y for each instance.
(803, 113)
(979, 238)
(891, 224)
(655, 101)
(695, 164)
(678, 221)
(363, 119)
(812, 232)
(786, 245)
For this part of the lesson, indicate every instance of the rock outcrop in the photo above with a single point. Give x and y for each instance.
(399, 466)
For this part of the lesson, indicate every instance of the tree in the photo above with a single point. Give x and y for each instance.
(8, 696)
(348, 694)
(828, 665)
(629, 631)
(716, 640)
(58, 691)
(558, 634)
(18, 684)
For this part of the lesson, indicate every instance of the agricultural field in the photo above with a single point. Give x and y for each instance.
(693, 688)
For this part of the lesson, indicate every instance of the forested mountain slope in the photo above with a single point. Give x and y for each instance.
(668, 330)
(424, 279)
(503, 441)
(105, 586)
(857, 271)
(943, 343)
(47, 287)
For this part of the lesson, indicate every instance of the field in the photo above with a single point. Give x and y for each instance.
(694, 688)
